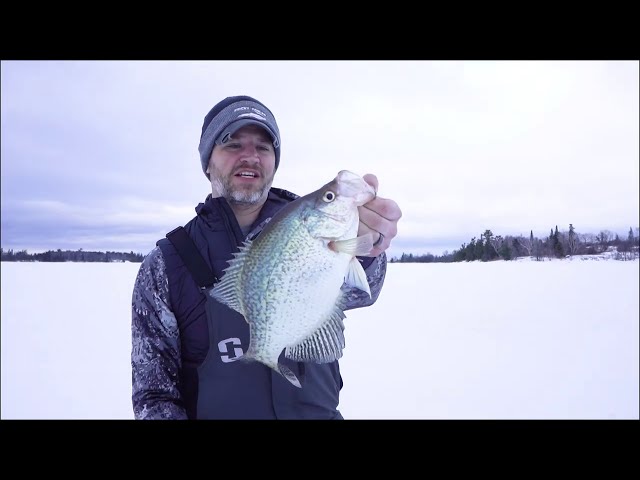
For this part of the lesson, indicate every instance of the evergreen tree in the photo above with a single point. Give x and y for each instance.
(470, 250)
(558, 250)
(573, 240)
(478, 251)
(460, 255)
(489, 252)
(505, 250)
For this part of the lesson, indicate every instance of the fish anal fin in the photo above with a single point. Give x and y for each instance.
(325, 344)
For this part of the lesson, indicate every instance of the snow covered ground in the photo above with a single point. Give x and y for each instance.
(523, 339)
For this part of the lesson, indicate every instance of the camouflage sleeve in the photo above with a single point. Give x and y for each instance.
(155, 353)
(376, 272)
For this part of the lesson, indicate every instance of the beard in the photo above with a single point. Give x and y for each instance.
(243, 195)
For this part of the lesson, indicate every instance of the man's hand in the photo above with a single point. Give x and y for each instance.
(380, 218)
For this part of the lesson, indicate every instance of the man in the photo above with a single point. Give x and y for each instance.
(184, 343)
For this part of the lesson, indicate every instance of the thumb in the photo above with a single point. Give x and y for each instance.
(372, 180)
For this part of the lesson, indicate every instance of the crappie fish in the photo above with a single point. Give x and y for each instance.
(287, 282)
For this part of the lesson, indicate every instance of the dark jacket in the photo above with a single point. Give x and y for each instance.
(185, 343)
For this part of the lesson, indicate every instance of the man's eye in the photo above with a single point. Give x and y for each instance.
(232, 145)
(264, 148)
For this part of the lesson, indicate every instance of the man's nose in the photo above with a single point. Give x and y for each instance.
(250, 151)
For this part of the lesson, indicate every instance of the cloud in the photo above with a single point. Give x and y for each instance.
(104, 147)
(128, 223)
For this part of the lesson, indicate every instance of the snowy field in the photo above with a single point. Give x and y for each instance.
(501, 340)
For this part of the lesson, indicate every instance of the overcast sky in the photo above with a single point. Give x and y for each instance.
(102, 155)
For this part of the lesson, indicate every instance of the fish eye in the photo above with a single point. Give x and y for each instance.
(329, 196)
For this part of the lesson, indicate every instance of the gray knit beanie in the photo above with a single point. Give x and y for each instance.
(230, 114)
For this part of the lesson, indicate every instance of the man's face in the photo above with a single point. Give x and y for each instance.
(242, 169)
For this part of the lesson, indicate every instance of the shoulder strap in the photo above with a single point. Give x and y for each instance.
(191, 257)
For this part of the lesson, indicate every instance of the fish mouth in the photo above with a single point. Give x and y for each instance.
(353, 186)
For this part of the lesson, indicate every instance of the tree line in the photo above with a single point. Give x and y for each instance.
(69, 256)
(488, 247)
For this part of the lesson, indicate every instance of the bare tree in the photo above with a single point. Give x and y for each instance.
(624, 250)
(525, 243)
(587, 242)
(496, 243)
(537, 249)
(627, 249)
(604, 238)
(587, 237)
(572, 240)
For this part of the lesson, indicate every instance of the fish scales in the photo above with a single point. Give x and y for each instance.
(287, 282)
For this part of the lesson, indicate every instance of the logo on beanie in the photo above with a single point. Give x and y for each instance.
(252, 115)
(262, 114)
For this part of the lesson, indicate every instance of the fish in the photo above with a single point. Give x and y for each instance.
(287, 282)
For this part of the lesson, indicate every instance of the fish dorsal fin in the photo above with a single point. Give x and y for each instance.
(227, 291)
(361, 245)
(326, 343)
(356, 276)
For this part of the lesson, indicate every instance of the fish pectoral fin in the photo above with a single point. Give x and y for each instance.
(361, 245)
(356, 276)
(324, 345)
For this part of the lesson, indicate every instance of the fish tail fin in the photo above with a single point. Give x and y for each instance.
(289, 375)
